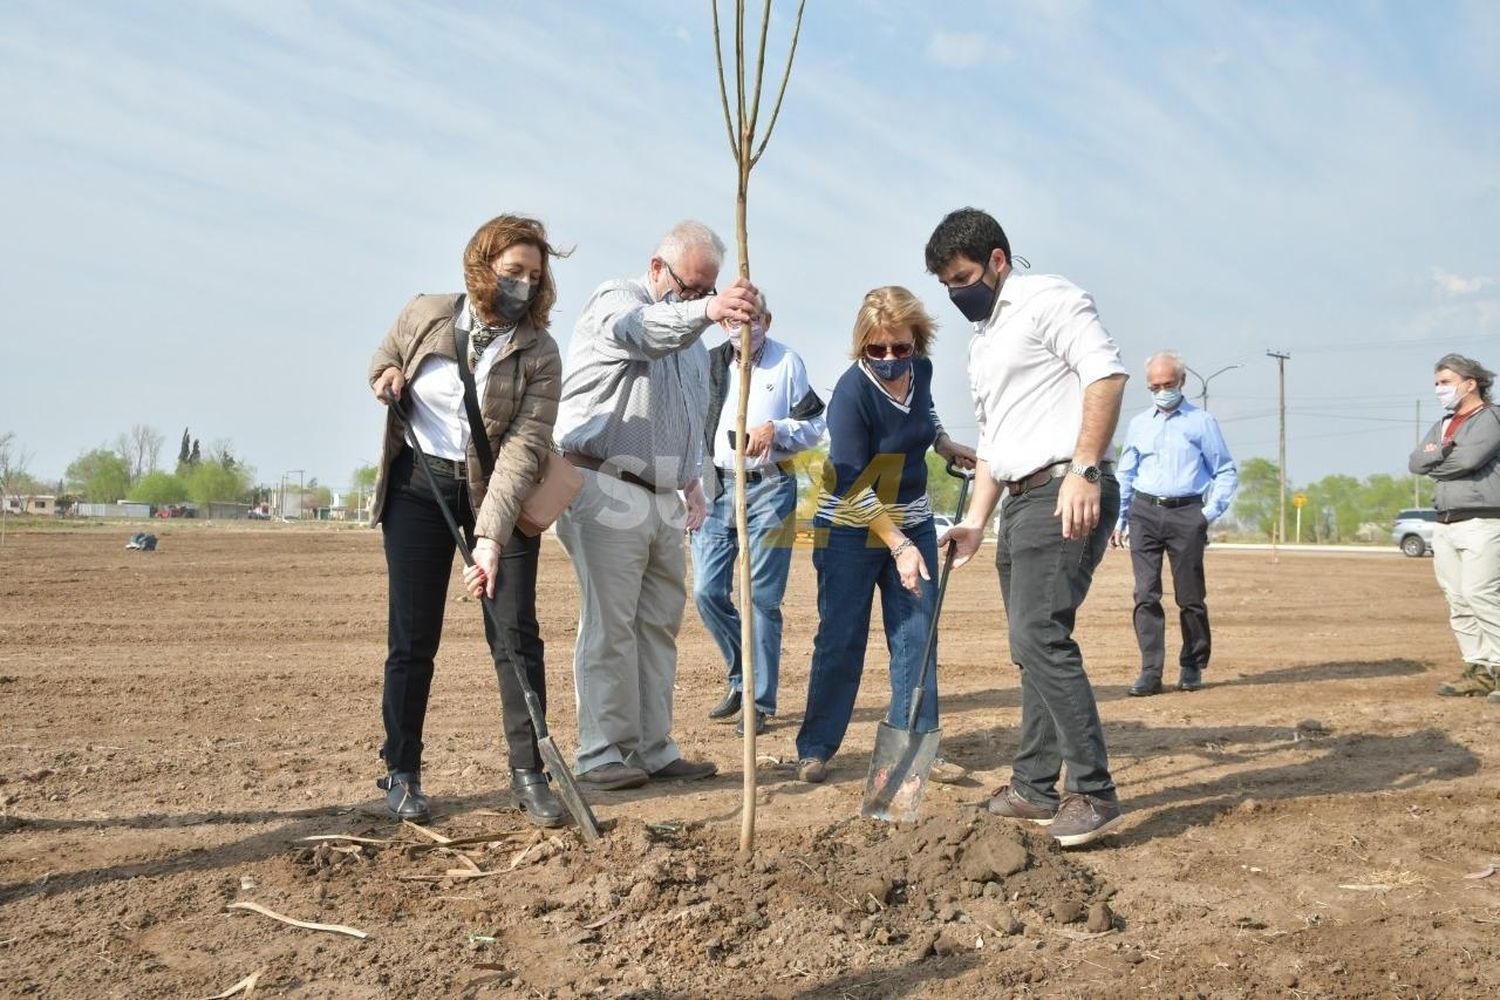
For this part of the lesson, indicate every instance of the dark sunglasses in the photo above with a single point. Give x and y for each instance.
(688, 293)
(876, 352)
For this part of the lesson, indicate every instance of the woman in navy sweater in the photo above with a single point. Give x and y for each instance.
(878, 521)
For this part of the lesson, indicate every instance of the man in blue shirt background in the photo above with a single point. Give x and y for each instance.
(1176, 478)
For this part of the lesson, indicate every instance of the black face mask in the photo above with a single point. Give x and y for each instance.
(512, 298)
(975, 301)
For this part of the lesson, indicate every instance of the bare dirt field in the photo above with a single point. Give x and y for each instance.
(175, 723)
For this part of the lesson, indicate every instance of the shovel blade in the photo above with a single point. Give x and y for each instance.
(568, 790)
(898, 773)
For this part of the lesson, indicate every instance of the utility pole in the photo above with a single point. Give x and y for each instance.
(1281, 359)
(1203, 396)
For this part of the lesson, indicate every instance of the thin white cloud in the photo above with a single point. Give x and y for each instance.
(956, 50)
(1458, 284)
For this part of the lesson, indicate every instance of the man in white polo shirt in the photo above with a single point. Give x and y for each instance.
(785, 417)
(1047, 382)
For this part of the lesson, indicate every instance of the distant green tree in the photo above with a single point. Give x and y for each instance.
(185, 451)
(941, 487)
(209, 482)
(1255, 503)
(100, 475)
(158, 488)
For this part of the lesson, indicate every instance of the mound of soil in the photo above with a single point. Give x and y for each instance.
(671, 909)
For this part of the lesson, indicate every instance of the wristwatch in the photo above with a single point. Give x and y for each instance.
(1090, 473)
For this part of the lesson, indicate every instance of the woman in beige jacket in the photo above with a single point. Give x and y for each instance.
(502, 321)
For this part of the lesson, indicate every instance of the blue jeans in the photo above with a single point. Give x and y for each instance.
(770, 504)
(850, 567)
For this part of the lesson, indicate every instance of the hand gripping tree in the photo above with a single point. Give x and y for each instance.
(741, 124)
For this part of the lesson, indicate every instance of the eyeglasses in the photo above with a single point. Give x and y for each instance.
(688, 293)
(876, 352)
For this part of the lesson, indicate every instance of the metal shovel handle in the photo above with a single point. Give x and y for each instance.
(966, 478)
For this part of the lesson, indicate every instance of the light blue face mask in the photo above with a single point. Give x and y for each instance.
(1166, 399)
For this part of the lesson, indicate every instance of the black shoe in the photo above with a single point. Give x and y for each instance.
(403, 795)
(533, 796)
(726, 708)
(760, 724)
(1190, 679)
(1145, 686)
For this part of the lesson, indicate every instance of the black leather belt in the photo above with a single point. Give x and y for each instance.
(1045, 475)
(445, 467)
(755, 476)
(1170, 502)
(604, 468)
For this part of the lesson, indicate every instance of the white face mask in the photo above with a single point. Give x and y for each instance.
(1166, 399)
(1449, 396)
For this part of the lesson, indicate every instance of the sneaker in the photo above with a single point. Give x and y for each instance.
(685, 770)
(613, 777)
(1083, 819)
(945, 772)
(812, 770)
(1008, 803)
(1474, 682)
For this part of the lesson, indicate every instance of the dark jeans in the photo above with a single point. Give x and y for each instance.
(850, 568)
(419, 552)
(1043, 579)
(1182, 534)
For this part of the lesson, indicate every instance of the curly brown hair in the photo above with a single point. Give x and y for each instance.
(889, 308)
(493, 239)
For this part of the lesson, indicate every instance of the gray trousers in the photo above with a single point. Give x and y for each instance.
(1181, 534)
(626, 544)
(1043, 579)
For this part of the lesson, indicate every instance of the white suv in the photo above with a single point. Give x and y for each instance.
(1413, 531)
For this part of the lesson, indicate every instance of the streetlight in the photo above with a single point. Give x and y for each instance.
(1203, 396)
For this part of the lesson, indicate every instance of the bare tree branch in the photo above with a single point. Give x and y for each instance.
(760, 69)
(729, 124)
(739, 66)
(776, 111)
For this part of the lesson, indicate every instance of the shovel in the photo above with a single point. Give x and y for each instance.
(902, 757)
(567, 786)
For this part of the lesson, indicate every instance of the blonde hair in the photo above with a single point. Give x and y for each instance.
(493, 239)
(890, 308)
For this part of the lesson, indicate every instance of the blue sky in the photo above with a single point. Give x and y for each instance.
(214, 210)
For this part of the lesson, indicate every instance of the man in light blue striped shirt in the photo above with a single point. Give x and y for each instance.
(1176, 478)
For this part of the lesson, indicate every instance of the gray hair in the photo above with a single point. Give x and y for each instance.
(1468, 368)
(686, 235)
(1178, 365)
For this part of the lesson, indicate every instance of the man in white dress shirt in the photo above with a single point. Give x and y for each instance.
(785, 417)
(1047, 382)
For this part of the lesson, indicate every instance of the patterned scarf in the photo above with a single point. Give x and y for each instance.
(482, 336)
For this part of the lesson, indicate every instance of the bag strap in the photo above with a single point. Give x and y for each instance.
(477, 433)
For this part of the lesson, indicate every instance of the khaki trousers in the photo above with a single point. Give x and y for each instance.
(1466, 557)
(627, 548)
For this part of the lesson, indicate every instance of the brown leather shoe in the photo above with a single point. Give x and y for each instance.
(613, 777)
(683, 769)
(1012, 806)
(1083, 819)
